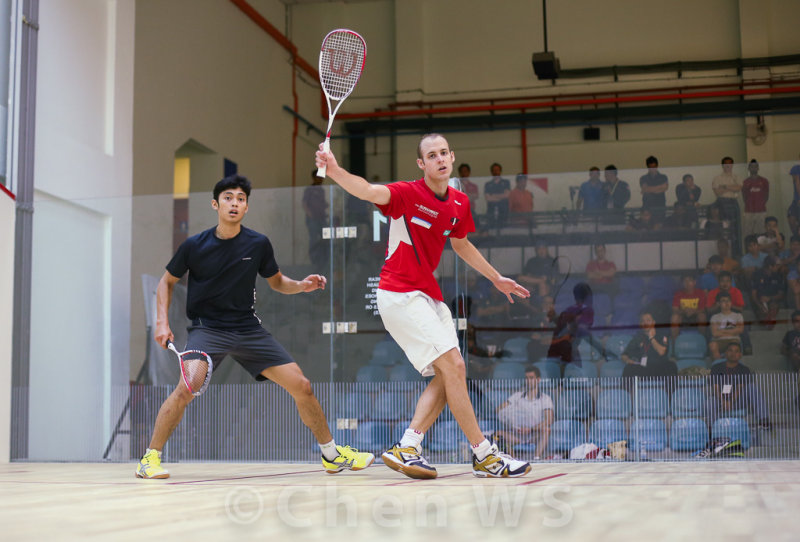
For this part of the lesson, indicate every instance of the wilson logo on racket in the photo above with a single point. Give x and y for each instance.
(340, 70)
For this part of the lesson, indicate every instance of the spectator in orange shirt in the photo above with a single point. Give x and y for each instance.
(519, 199)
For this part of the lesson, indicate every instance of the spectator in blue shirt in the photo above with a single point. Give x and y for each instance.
(592, 194)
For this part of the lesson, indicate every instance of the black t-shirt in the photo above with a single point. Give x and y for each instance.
(722, 375)
(792, 341)
(222, 277)
(653, 200)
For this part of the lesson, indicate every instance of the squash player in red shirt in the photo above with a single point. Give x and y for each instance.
(424, 214)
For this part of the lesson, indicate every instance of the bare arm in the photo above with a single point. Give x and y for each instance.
(353, 184)
(471, 255)
(283, 284)
(163, 300)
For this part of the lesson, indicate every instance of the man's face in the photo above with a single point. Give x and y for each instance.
(723, 249)
(727, 166)
(771, 225)
(752, 248)
(753, 169)
(652, 167)
(689, 180)
(600, 252)
(463, 172)
(725, 304)
(496, 170)
(437, 158)
(716, 267)
(725, 282)
(733, 353)
(594, 175)
(610, 175)
(231, 205)
(532, 380)
(541, 251)
(689, 283)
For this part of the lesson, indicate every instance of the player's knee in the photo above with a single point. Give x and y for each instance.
(304, 388)
(182, 394)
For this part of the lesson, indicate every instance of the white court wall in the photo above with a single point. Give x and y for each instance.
(7, 227)
(80, 310)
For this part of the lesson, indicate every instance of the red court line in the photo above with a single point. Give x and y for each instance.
(542, 479)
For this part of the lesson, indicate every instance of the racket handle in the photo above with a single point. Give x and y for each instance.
(326, 147)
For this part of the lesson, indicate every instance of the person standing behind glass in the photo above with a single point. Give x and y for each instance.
(654, 185)
(496, 192)
(592, 194)
(618, 194)
(469, 188)
(688, 195)
(727, 188)
(755, 193)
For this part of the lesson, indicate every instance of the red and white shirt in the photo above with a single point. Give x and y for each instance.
(419, 226)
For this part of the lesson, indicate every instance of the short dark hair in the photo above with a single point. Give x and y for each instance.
(531, 368)
(594, 168)
(495, 164)
(723, 295)
(464, 165)
(651, 160)
(795, 314)
(688, 176)
(737, 345)
(726, 158)
(725, 274)
(752, 238)
(716, 258)
(771, 219)
(232, 181)
(581, 291)
(611, 167)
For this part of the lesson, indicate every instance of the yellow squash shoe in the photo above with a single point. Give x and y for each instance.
(349, 458)
(150, 466)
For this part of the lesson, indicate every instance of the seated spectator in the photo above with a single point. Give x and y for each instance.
(688, 306)
(539, 272)
(752, 260)
(710, 279)
(714, 225)
(793, 217)
(647, 352)
(680, 219)
(726, 285)
(520, 200)
(790, 346)
(525, 417)
(768, 291)
(479, 365)
(793, 280)
(728, 264)
(539, 342)
(592, 194)
(734, 389)
(790, 257)
(772, 241)
(726, 327)
(645, 222)
(572, 325)
(601, 274)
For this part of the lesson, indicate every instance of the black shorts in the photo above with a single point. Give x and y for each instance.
(254, 350)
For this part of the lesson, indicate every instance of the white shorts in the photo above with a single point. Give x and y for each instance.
(421, 325)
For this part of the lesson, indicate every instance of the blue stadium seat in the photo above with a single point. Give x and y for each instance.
(574, 403)
(355, 405)
(404, 372)
(516, 350)
(373, 436)
(688, 435)
(372, 373)
(606, 431)
(611, 370)
(688, 402)
(652, 403)
(627, 306)
(588, 352)
(685, 363)
(613, 403)
(616, 344)
(718, 361)
(391, 405)
(566, 434)
(549, 369)
(733, 428)
(586, 369)
(601, 303)
(631, 284)
(690, 345)
(445, 436)
(387, 352)
(661, 288)
(647, 434)
(508, 371)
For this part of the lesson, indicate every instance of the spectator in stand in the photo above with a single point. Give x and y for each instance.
(654, 185)
(680, 219)
(496, 193)
(755, 193)
(734, 389)
(601, 274)
(769, 291)
(793, 279)
(772, 241)
(790, 257)
(539, 272)
(710, 279)
(793, 214)
(480, 364)
(525, 417)
(520, 200)
(714, 226)
(752, 260)
(647, 352)
(618, 192)
(727, 188)
(572, 326)
(540, 338)
(688, 306)
(469, 188)
(645, 222)
(728, 264)
(726, 327)
(790, 346)
(592, 194)
(688, 194)
(726, 286)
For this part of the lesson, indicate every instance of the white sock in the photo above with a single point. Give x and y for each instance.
(481, 450)
(329, 450)
(411, 438)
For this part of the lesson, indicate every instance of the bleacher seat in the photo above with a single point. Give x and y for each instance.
(613, 403)
(610, 372)
(549, 370)
(404, 372)
(690, 362)
(588, 352)
(690, 345)
(445, 436)
(627, 306)
(688, 402)
(508, 371)
(652, 403)
(616, 344)
(631, 284)
(355, 405)
(603, 432)
(391, 405)
(586, 369)
(733, 428)
(574, 403)
(516, 350)
(688, 435)
(566, 434)
(661, 288)
(601, 303)
(372, 373)
(373, 436)
(648, 434)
